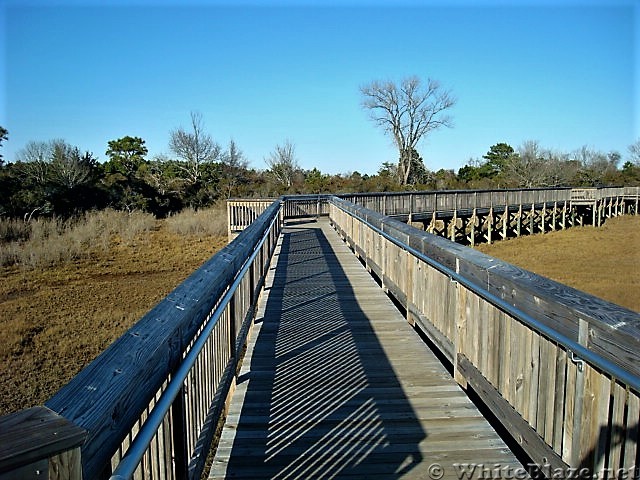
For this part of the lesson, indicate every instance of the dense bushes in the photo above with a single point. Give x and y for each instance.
(55, 179)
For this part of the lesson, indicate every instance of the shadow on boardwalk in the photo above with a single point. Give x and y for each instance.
(322, 399)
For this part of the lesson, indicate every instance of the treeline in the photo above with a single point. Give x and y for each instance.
(54, 178)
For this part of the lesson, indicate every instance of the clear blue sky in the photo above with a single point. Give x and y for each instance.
(564, 73)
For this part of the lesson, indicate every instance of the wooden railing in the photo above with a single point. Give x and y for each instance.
(559, 368)
(150, 403)
(302, 206)
(404, 203)
(241, 212)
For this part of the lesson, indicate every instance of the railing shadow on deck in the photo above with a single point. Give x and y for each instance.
(336, 407)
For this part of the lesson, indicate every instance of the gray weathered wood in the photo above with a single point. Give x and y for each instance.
(336, 382)
(526, 436)
(105, 398)
(35, 434)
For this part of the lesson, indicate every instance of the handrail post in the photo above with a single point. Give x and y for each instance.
(232, 328)
(179, 428)
(459, 331)
(410, 208)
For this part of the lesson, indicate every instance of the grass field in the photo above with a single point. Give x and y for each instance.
(602, 261)
(54, 320)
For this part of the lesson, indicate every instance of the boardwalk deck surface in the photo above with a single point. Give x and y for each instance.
(336, 384)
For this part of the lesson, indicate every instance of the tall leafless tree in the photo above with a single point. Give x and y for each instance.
(529, 168)
(634, 152)
(34, 160)
(195, 147)
(234, 165)
(408, 112)
(283, 164)
(55, 161)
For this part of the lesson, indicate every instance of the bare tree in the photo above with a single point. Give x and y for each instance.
(33, 161)
(283, 164)
(529, 168)
(234, 165)
(69, 168)
(596, 167)
(408, 112)
(634, 152)
(194, 147)
(55, 161)
(161, 176)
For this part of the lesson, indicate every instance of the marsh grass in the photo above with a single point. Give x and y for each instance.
(601, 261)
(56, 319)
(204, 222)
(45, 242)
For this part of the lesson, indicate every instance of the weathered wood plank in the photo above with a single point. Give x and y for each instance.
(526, 436)
(34, 434)
(336, 379)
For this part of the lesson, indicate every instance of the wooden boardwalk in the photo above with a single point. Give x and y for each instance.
(335, 382)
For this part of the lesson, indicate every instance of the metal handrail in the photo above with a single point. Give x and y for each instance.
(130, 461)
(570, 345)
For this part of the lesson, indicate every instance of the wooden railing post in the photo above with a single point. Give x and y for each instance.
(460, 330)
(575, 401)
(39, 443)
(179, 432)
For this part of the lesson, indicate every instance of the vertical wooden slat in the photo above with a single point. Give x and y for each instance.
(571, 396)
(595, 421)
(474, 348)
(619, 396)
(518, 360)
(547, 389)
(533, 380)
(460, 341)
(631, 450)
(505, 357)
(559, 403)
(66, 466)
(495, 334)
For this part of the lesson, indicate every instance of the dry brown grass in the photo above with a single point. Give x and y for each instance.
(209, 221)
(45, 242)
(604, 261)
(54, 320)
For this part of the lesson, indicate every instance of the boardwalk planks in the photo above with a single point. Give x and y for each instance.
(335, 383)
(559, 396)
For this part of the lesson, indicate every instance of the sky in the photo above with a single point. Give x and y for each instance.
(564, 73)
